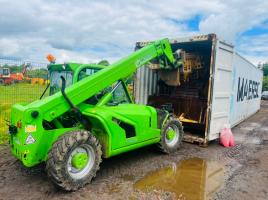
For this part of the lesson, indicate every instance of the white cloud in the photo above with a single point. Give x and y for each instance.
(235, 18)
(88, 31)
(12, 47)
(255, 48)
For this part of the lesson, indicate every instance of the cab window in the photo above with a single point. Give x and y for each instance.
(86, 72)
(120, 95)
(5, 72)
(55, 80)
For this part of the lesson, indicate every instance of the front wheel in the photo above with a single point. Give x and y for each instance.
(74, 160)
(171, 136)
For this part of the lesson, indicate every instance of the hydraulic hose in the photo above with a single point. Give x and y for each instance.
(78, 113)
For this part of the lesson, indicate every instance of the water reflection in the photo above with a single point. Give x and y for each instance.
(193, 178)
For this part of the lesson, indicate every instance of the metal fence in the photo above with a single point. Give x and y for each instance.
(18, 85)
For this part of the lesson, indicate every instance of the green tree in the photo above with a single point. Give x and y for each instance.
(265, 83)
(104, 62)
(265, 69)
(16, 69)
(37, 73)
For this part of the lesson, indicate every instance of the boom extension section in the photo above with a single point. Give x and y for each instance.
(55, 105)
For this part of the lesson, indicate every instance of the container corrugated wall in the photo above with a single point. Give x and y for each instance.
(246, 90)
(145, 84)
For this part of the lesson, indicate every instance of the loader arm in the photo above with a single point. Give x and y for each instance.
(54, 106)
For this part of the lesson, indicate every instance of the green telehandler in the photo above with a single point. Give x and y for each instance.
(89, 115)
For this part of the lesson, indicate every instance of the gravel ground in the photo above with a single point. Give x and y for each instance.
(245, 169)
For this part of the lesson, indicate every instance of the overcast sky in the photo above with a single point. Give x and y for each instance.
(88, 31)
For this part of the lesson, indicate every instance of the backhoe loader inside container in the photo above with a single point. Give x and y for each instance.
(183, 92)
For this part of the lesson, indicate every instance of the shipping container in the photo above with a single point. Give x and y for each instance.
(215, 86)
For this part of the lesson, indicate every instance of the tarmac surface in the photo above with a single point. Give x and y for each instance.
(194, 172)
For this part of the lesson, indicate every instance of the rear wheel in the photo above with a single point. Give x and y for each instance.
(171, 136)
(74, 160)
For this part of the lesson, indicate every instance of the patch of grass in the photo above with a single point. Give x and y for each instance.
(16, 93)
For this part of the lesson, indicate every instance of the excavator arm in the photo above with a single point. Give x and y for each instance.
(54, 106)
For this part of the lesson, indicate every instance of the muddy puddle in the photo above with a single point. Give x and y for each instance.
(193, 178)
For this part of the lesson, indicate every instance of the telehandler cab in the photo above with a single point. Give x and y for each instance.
(93, 118)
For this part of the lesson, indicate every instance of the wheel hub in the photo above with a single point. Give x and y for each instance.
(171, 134)
(80, 160)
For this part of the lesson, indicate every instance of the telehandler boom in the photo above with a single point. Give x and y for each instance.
(93, 118)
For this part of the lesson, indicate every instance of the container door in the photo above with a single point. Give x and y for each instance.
(221, 89)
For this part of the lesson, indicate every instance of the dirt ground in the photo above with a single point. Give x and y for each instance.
(245, 169)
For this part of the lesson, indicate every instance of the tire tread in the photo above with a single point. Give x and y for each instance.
(56, 162)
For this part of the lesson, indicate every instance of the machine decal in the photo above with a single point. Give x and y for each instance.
(30, 139)
(30, 128)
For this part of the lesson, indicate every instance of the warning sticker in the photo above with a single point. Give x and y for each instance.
(30, 139)
(30, 128)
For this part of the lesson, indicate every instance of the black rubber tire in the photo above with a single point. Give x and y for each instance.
(162, 144)
(56, 165)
